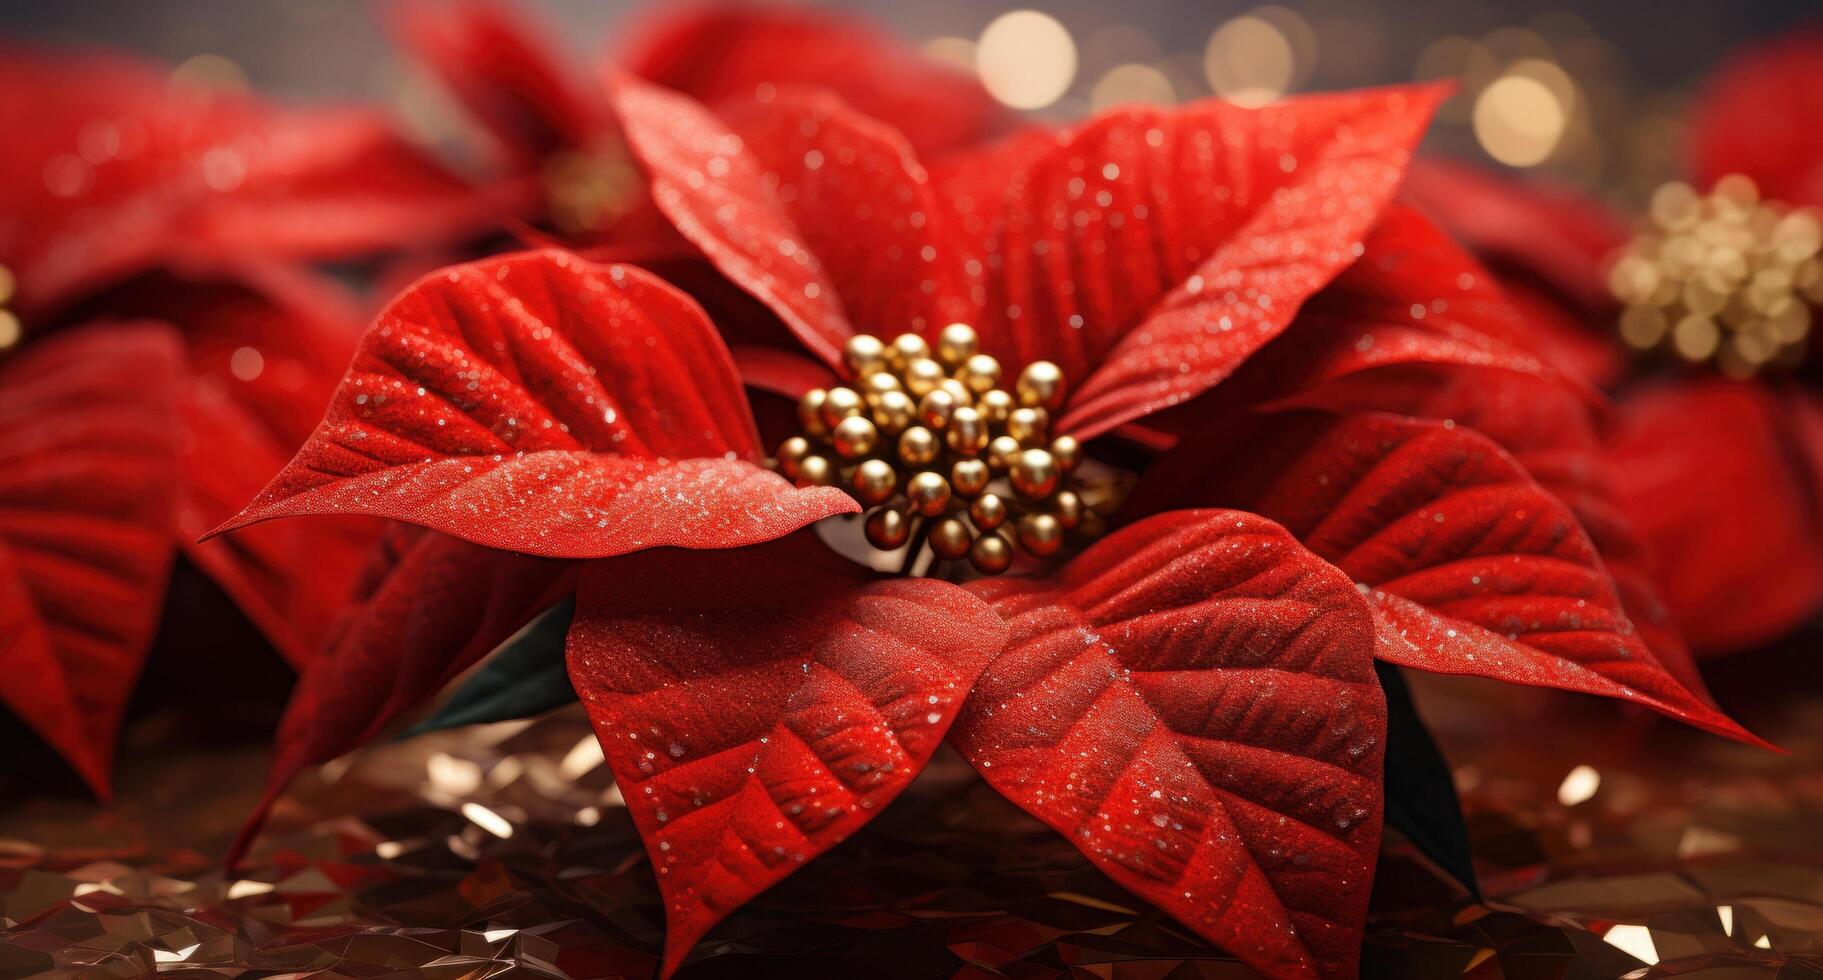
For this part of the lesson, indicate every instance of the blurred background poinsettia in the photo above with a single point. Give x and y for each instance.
(1605, 845)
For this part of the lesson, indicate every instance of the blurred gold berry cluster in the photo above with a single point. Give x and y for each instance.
(1723, 277)
(939, 451)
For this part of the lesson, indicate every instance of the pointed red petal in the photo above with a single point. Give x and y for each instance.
(808, 220)
(113, 167)
(759, 707)
(1192, 702)
(1473, 567)
(544, 404)
(507, 75)
(1153, 250)
(1762, 115)
(1710, 474)
(88, 473)
(726, 53)
(431, 606)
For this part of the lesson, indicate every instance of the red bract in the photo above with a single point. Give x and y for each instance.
(1192, 699)
(1717, 477)
(555, 131)
(128, 193)
(113, 167)
(89, 453)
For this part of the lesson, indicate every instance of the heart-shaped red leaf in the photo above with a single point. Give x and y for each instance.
(548, 405)
(1153, 250)
(1192, 702)
(88, 478)
(758, 707)
(1473, 567)
(724, 54)
(429, 607)
(113, 166)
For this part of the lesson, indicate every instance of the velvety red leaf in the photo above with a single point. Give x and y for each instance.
(544, 404)
(758, 707)
(1532, 231)
(719, 54)
(429, 607)
(508, 76)
(1086, 256)
(1712, 474)
(88, 477)
(1473, 568)
(721, 195)
(1762, 115)
(1153, 250)
(266, 347)
(1192, 702)
(1413, 302)
(114, 167)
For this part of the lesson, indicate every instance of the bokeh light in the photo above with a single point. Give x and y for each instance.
(1249, 61)
(1519, 120)
(1026, 59)
(1132, 83)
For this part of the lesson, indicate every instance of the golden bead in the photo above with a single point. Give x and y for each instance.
(1040, 534)
(957, 390)
(874, 481)
(1001, 450)
(968, 477)
(1033, 473)
(894, 412)
(928, 493)
(950, 538)
(876, 385)
(792, 452)
(990, 554)
(855, 437)
(995, 405)
(967, 432)
(839, 404)
(988, 511)
(1068, 507)
(810, 413)
(906, 348)
(935, 408)
(887, 529)
(956, 343)
(981, 373)
(1040, 385)
(816, 471)
(864, 354)
(1027, 425)
(922, 375)
(918, 446)
(1067, 451)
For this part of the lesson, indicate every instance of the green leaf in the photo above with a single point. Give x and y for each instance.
(1420, 795)
(525, 677)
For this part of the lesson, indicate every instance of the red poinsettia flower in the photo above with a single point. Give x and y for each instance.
(129, 195)
(1717, 469)
(556, 135)
(1191, 698)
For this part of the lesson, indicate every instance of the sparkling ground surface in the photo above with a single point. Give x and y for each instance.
(1608, 844)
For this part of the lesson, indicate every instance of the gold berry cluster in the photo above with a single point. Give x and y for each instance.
(10, 330)
(1723, 277)
(938, 450)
